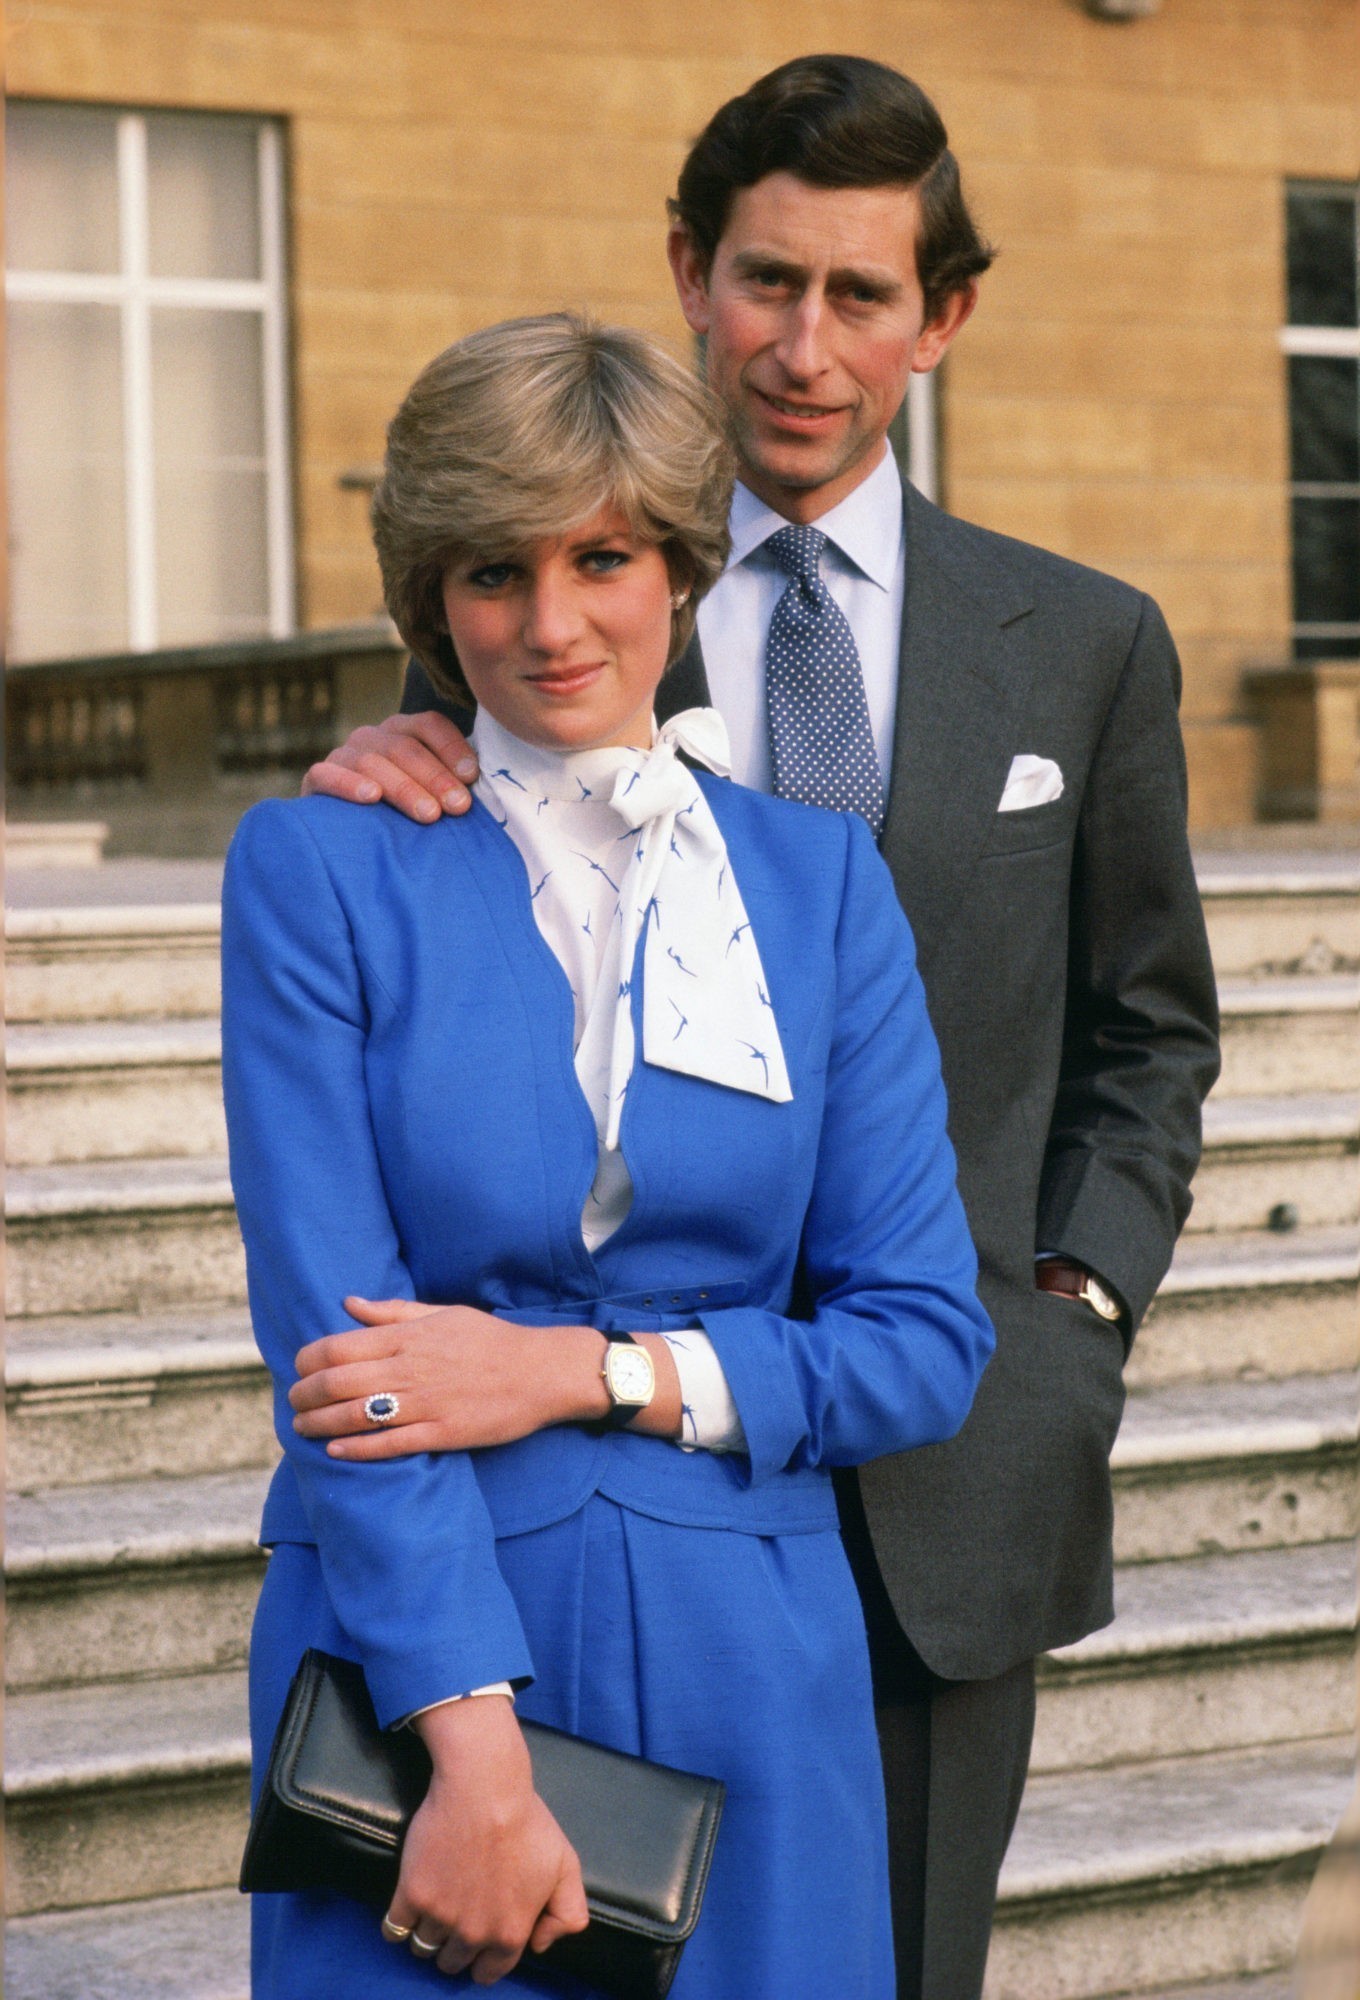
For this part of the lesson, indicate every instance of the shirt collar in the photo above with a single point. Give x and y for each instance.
(866, 527)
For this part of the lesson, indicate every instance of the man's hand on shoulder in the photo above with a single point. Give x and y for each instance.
(421, 764)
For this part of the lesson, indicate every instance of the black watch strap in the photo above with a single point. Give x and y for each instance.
(620, 1414)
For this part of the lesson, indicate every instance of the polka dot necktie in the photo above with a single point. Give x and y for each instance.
(821, 744)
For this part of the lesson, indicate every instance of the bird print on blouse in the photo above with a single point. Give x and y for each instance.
(627, 848)
(821, 740)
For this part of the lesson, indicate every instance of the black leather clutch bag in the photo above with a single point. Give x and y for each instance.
(340, 1793)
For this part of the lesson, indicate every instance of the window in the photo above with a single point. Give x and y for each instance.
(147, 403)
(1322, 345)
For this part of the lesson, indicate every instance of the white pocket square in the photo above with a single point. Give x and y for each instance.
(1031, 781)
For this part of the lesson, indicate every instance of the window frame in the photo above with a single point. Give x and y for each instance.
(914, 435)
(137, 294)
(1330, 343)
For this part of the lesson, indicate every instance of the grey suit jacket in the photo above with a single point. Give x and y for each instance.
(1068, 975)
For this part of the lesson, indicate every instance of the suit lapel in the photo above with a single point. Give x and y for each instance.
(963, 674)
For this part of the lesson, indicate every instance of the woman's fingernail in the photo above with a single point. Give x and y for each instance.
(426, 809)
(369, 794)
(455, 799)
(467, 768)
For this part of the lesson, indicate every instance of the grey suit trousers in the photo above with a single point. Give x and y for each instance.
(955, 1754)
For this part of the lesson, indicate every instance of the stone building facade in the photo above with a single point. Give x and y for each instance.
(1122, 395)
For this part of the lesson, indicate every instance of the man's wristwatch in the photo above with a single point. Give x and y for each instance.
(1074, 1281)
(629, 1377)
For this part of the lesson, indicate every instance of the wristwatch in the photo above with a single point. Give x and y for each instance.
(1074, 1281)
(629, 1377)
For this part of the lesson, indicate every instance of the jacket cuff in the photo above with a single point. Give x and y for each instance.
(1091, 1212)
(772, 1418)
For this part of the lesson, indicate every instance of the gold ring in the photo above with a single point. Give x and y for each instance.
(424, 1950)
(395, 1933)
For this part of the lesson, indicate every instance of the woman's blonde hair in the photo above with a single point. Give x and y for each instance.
(524, 430)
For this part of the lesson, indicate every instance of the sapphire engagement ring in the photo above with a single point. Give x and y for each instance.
(380, 1409)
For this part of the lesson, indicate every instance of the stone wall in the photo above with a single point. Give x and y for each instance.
(1119, 396)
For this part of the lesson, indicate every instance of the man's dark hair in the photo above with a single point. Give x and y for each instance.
(836, 122)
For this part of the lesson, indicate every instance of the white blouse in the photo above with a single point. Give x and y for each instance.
(600, 867)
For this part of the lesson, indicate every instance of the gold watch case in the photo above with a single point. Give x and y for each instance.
(629, 1375)
(1099, 1298)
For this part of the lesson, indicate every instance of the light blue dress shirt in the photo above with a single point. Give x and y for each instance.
(865, 569)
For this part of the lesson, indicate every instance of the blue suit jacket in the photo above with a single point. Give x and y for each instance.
(405, 1120)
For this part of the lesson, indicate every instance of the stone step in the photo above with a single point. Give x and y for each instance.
(91, 964)
(1228, 1464)
(128, 1581)
(194, 1947)
(123, 1235)
(1254, 1303)
(159, 1576)
(1206, 1653)
(121, 1791)
(123, 882)
(122, 1396)
(1282, 912)
(84, 1090)
(1294, 1158)
(1265, 1986)
(1209, 1468)
(1290, 1033)
(54, 843)
(113, 1791)
(108, 1090)
(1193, 1868)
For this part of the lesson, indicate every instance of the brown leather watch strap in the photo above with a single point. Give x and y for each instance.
(1074, 1281)
(1060, 1274)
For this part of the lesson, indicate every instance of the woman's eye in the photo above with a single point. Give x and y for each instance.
(602, 561)
(490, 576)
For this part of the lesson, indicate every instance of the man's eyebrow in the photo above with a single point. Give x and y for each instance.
(747, 262)
(883, 284)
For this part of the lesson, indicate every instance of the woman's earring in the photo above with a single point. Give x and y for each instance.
(678, 597)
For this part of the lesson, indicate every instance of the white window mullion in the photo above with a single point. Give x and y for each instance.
(277, 428)
(61, 288)
(93, 288)
(138, 437)
(923, 451)
(1339, 343)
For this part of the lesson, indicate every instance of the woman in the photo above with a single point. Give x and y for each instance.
(611, 1070)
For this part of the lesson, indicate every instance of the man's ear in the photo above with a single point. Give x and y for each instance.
(691, 277)
(938, 334)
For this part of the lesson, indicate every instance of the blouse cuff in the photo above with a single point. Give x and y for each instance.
(709, 1418)
(496, 1687)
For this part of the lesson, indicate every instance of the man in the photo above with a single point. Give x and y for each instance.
(1009, 719)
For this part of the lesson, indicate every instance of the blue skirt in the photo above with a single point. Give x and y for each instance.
(740, 1656)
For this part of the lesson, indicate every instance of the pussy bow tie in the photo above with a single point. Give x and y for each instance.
(706, 1008)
